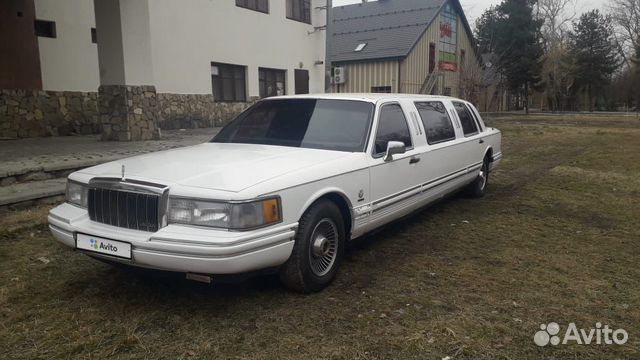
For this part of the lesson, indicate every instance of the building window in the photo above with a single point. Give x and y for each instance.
(381, 89)
(360, 47)
(271, 82)
(299, 10)
(448, 38)
(94, 36)
(45, 28)
(228, 82)
(447, 91)
(257, 5)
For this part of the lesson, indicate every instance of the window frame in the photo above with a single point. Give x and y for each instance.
(374, 136)
(256, 9)
(453, 127)
(232, 67)
(94, 35)
(460, 119)
(274, 71)
(301, 3)
(52, 27)
(375, 89)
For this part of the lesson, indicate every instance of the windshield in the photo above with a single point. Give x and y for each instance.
(340, 125)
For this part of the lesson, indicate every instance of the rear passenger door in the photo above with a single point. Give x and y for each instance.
(471, 144)
(444, 163)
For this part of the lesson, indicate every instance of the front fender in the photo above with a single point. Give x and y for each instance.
(324, 192)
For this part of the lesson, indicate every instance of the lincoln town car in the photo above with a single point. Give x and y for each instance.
(283, 187)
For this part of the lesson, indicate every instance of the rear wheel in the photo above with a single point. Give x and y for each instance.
(318, 249)
(477, 188)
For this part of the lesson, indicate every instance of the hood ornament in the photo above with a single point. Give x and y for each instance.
(123, 178)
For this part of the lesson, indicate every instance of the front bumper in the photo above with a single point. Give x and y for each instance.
(182, 248)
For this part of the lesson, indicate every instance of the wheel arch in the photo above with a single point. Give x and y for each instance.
(339, 198)
(488, 152)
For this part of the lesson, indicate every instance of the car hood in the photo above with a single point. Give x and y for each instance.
(216, 166)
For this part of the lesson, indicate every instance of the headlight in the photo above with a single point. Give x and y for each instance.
(234, 216)
(77, 193)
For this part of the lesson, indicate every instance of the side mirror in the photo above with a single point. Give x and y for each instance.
(394, 147)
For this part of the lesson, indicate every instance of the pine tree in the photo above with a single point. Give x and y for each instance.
(486, 29)
(518, 45)
(593, 53)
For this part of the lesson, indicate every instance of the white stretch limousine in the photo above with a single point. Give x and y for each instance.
(282, 187)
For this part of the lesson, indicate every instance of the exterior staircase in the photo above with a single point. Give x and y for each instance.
(430, 81)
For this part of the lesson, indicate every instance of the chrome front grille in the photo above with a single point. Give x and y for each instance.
(127, 209)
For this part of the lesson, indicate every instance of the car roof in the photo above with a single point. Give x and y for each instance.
(369, 97)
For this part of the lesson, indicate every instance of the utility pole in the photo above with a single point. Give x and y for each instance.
(327, 59)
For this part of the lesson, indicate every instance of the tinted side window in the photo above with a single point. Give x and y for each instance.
(392, 126)
(436, 121)
(469, 126)
(475, 115)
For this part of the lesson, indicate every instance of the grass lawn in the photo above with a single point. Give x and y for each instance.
(556, 238)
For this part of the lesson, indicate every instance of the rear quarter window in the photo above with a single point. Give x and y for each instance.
(475, 115)
(469, 126)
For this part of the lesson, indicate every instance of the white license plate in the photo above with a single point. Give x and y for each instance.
(103, 246)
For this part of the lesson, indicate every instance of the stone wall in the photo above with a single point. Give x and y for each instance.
(188, 111)
(128, 113)
(28, 113)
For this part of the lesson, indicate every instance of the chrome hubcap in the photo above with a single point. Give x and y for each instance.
(324, 247)
(483, 179)
(320, 246)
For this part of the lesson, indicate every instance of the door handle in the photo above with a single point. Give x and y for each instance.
(481, 141)
(414, 160)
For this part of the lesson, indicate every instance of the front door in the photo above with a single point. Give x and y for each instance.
(394, 183)
(302, 81)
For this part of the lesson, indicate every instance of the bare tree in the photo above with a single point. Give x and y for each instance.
(557, 16)
(626, 18)
(471, 82)
(626, 21)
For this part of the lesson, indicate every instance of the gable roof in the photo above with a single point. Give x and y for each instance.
(390, 28)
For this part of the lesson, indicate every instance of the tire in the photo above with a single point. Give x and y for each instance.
(318, 250)
(477, 188)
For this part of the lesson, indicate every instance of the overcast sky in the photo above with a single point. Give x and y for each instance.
(475, 8)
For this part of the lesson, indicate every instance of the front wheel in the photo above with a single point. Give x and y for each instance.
(477, 188)
(318, 249)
